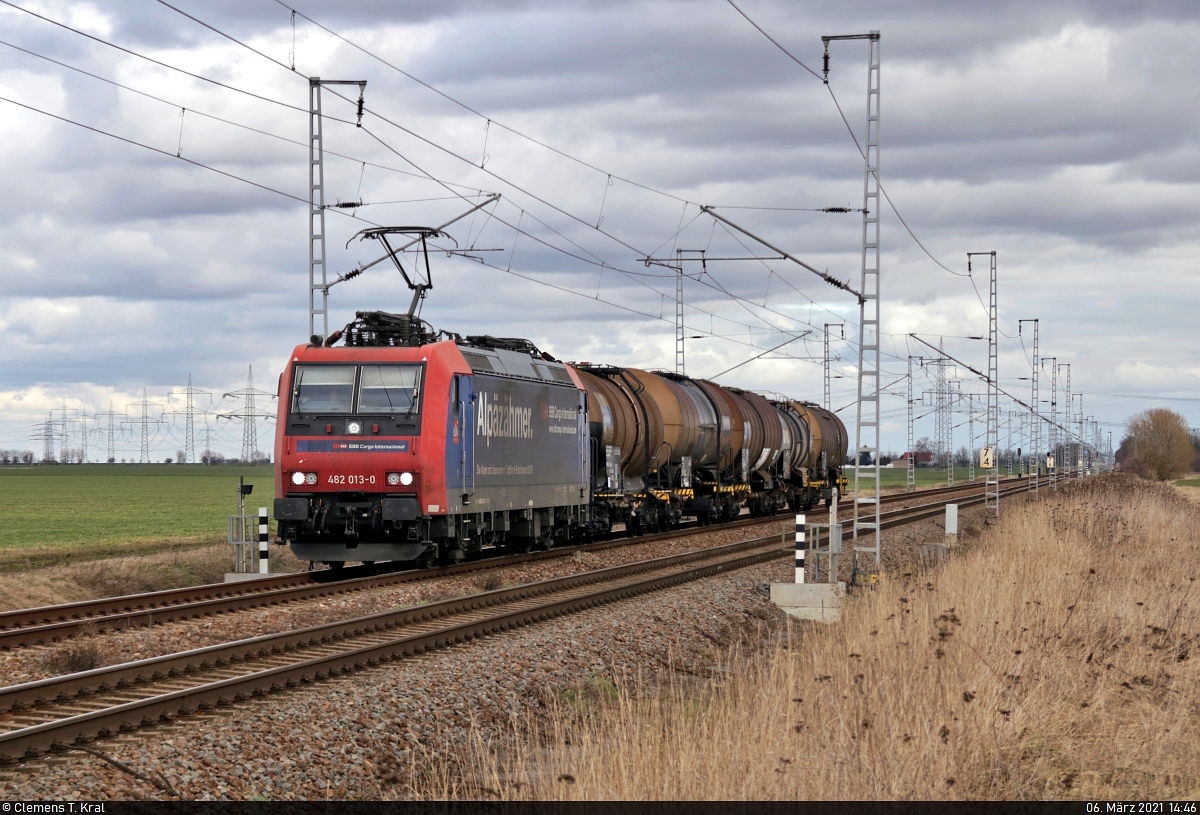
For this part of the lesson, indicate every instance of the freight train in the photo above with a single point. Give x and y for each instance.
(405, 444)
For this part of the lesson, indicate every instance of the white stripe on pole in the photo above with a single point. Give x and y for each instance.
(263, 565)
(800, 546)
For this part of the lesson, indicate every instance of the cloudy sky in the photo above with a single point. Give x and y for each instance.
(1061, 135)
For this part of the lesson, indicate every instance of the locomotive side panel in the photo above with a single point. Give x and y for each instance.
(528, 449)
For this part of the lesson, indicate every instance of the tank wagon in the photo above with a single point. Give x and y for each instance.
(406, 444)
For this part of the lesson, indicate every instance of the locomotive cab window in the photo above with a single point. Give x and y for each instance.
(389, 389)
(323, 389)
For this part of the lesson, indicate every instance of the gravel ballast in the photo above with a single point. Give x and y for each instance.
(357, 736)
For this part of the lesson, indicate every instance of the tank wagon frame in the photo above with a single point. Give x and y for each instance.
(406, 444)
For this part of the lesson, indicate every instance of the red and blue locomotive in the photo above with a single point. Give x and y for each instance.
(403, 444)
(407, 444)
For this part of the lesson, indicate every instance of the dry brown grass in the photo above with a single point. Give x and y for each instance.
(184, 565)
(82, 653)
(1057, 658)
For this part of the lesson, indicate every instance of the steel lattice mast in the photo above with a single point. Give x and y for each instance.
(911, 475)
(1068, 458)
(828, 390)
(318, 274)
(248, 414)
(991, 489)
(1034, 416)
(866, 507)
(1052, 456)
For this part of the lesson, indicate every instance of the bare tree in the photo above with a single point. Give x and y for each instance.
(1158, 444)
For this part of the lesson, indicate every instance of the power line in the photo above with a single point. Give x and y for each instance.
(623, 307)
(602, 264)
(516, 228)
(226, 36)
(850, 130)
(470, 109)
(168, 154)
(219, 118)
(773, 40)
(431, 143)
(858, 146)
(155, 61)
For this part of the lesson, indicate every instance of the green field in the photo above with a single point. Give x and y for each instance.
(1188, 482)
(50, 512)
(925, 476)
(58, 513)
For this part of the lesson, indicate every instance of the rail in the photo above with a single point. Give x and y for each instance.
(45, 715)
(50, 624)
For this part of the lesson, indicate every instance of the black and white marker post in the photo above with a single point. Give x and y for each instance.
(800, 547)
(263, 565)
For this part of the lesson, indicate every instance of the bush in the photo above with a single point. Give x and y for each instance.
(1160, 445)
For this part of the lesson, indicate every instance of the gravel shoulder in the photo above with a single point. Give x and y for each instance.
(29, 664)
(361, 736)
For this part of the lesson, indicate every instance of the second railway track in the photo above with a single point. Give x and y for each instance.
(59, 712)
(54, 623)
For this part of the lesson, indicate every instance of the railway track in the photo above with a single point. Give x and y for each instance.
(56, 713)
(54, 623)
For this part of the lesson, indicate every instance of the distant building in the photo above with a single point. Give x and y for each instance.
(922, 459)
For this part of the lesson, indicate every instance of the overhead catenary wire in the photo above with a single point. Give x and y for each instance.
(858, 146)
(169, 154)
(517, 229)
(491, 120)
(221, 119)
(155, 61)
(1034, 410)
(790, 318)
(623, 307)
(465, 160)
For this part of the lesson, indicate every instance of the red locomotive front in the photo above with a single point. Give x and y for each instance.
(361, 448)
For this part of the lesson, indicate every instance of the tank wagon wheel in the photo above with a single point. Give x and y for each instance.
(426, 560)
(335, 565)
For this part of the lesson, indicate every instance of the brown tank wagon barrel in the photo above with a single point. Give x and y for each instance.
(730, 427)
(829, 434)
(766, 439)
(632, 420)
(657, 418)
(797, 441)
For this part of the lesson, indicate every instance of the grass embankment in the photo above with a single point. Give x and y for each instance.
(75, 532)
(1057, 658)
(897, 477)
(59, 514)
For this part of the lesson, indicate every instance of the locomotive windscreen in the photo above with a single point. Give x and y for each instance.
(359, 389)
(388, 388)
(323, 389)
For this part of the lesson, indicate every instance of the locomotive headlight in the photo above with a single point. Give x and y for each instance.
(297, 478)
(406, 479)
(354, 428)
(310, 478)
(393, 478)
